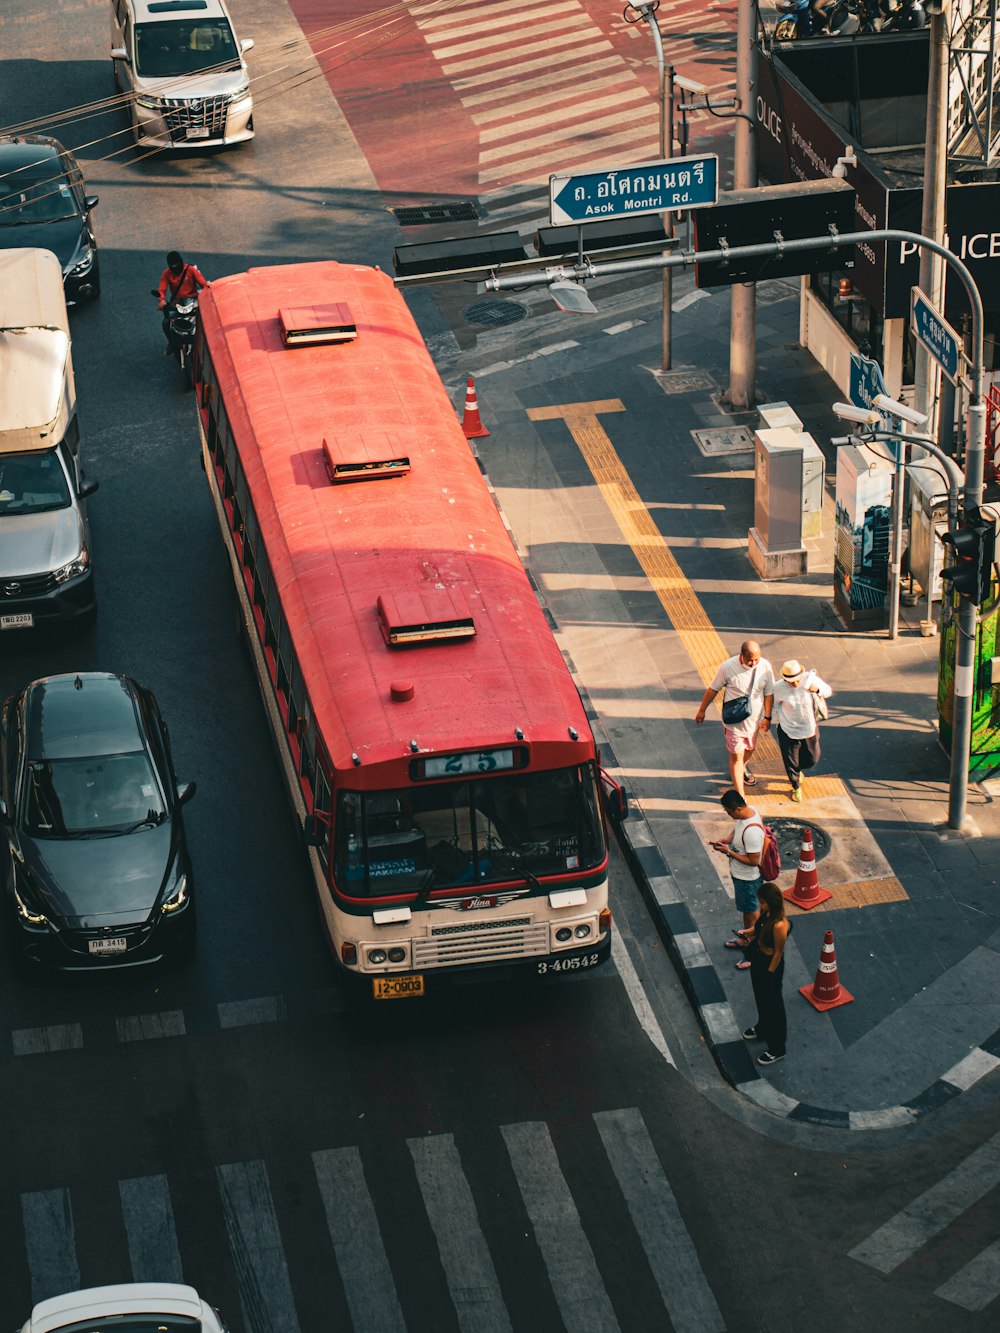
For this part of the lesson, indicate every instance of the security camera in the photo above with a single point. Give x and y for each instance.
(849, 159)
(865, 416)
(690, 86)
(886, 404)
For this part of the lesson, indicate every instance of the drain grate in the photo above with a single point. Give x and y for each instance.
(463, 210)
(789, 835)
(725, 440)
(495, 314)
(684, 381)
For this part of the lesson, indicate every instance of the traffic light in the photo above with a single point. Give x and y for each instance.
(973, 544)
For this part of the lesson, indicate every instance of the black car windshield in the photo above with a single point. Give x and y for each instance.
(516, 827)
(183, 46)
(36, 193)
(31, 483)
(109, 793)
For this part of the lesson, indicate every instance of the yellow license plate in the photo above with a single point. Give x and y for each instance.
(397, 988)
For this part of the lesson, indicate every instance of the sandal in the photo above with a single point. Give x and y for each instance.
(737, 943)
(743, 965)
(749, 780)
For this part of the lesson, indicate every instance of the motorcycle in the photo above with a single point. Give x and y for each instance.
(909, 15)
(843, 19)
(181, 321)
(799, 21)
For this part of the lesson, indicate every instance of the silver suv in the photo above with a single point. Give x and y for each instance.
(184, 69)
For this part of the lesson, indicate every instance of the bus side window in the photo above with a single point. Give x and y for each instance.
(307, 759)
(250, 541)
(262, 581)
(322, 805)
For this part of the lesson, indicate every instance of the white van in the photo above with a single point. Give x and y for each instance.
(46, 574)
(184, 69)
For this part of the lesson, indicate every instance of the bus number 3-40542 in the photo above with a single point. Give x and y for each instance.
(568, 964)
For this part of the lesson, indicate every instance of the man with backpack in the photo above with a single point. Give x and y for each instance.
(745, 848)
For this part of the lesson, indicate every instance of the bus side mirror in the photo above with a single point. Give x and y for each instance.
(615, 799)
(315, 830)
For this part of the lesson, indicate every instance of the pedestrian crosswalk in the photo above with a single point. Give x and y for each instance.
(547, 89)
(452, 1181)
(977, 1283)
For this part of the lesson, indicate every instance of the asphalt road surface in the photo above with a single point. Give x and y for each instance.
(496, 1158)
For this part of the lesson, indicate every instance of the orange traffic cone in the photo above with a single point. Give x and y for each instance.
(826, 992)
(472, 426)
(806, 892)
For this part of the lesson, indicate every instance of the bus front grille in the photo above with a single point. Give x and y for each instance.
(481, 942)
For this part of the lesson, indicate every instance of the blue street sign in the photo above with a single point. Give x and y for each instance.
(866, 382)
(940, 339)
(622, 192)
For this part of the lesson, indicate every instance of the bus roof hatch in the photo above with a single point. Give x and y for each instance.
(420, 617)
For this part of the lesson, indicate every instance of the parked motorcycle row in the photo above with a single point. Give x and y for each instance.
(845, 18)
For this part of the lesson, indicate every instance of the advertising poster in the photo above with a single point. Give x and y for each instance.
(864, 526)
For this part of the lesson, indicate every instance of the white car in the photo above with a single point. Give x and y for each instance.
(169, 1306)
(184, 69)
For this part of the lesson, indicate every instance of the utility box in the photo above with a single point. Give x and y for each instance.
(813, 467)
(775, 415)
(775, 540)
(928, 523)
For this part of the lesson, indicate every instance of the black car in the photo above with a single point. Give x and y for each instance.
(43, 205)
(97, 870)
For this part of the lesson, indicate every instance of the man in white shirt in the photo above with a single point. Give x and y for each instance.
(744, 847)
(795, 726)
(745, 674)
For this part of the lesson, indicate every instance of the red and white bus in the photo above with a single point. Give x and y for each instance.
(435, 746)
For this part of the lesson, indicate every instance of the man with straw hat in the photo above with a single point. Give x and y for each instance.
(796, 727)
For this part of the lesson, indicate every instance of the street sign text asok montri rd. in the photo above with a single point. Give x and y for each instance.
(620, 192)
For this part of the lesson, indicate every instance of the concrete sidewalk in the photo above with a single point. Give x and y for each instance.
(666, 591)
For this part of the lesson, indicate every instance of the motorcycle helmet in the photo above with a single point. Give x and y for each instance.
(175, 262)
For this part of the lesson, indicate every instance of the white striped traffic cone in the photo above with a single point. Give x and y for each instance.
(806, 892)
(826, 992)
(472, 426)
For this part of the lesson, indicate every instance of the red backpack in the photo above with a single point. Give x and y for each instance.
(770, 857)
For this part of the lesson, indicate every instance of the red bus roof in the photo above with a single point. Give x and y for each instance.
(334, 550)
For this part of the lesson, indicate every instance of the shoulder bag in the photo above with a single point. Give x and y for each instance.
(739, 709)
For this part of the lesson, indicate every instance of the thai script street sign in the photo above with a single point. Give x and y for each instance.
(866, 382)
(930, 328)
(621, 192)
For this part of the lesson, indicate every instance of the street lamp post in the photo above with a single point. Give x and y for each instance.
(647, 12)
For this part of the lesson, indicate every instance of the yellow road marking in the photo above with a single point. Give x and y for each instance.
(682, 607)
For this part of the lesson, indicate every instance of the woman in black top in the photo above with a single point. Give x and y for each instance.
(766, 953)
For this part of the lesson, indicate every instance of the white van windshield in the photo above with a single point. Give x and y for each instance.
(184, 46)
(32, 483)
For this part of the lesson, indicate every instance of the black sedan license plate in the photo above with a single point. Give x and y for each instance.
(397, 988)
(110, 944)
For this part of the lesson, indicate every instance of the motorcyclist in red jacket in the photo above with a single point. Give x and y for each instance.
(177, 281)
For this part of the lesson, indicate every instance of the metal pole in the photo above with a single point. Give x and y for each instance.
(742, 391)
(933, 215)
(895, 577)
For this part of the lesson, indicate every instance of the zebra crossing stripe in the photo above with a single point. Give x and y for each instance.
(255, 1244)
(569, 1260)
(921, 1220)
(658, 1222)
(506, 74)
(465, 1257)
(50, 1243)
(357, 1242)
(511, 101)
(149, 1229)
(523, 126)
(977, 1284)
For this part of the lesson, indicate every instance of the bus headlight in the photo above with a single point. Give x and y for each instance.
(397, 955)
(582, 932)
(376, 957)
(564, 933)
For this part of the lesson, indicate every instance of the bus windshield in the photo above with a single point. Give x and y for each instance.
(515, 827)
